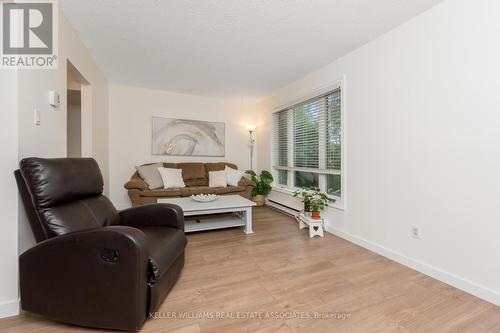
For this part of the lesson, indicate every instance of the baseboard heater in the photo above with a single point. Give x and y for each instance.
(284, 202)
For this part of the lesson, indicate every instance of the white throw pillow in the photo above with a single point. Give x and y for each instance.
(171, 177)
(233, 176)
(217, 179)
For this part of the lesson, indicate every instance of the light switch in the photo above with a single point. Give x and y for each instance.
(37, 117)
(54, 98)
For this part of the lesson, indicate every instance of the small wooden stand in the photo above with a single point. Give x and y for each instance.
(315, 226)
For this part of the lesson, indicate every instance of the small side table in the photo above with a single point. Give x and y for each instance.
(315, 226)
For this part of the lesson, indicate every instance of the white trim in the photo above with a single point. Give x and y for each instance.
(451, 279)
(331, 86)
(281, 208)
(341, 202)
(9, 308)
(340, 83)
(287, 190)
(311, 170)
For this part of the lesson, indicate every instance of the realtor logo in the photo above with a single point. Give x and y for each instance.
(29, 36)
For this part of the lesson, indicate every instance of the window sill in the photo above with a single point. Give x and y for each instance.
(338, 204)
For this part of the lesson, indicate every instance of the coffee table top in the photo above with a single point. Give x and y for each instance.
(223, 202)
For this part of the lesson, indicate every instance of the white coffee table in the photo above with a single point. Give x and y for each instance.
(239, 207)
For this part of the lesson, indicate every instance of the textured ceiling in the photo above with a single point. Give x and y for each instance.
(227, 48)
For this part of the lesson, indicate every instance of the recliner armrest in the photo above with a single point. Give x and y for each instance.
(153, 215)
(67, 276)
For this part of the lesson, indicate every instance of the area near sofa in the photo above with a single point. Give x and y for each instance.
(195, 176)
(226, 212)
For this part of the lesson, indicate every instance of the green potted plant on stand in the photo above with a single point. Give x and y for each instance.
(314, 201)
(262, 186)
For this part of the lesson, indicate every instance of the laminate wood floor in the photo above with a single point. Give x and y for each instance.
(280, 272)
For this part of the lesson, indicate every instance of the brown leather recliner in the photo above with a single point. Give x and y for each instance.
(93, 265)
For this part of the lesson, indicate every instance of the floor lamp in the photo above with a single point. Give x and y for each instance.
(251, 129)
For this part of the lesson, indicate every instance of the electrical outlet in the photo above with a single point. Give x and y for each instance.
(415, 232)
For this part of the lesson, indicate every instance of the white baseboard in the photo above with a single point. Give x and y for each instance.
(9, 308)
(456, 281)
(281, 208)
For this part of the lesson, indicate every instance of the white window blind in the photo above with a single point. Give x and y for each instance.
(307, 143)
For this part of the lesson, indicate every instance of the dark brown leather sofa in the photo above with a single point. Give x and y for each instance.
(93, 265)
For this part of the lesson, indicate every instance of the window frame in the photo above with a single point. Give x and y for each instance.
(340, 202)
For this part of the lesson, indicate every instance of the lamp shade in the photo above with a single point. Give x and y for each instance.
(251, 127)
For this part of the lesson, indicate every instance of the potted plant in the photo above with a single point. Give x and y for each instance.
(314, 201)
(262, 186)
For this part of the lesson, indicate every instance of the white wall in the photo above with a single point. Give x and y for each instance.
(25, 91)
(9, 304)
(422, 143)
(131, 110)
(49, 139)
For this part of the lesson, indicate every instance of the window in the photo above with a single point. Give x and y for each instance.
(307, 149)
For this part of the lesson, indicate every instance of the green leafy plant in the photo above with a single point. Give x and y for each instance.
(314, 200)
(262, 182)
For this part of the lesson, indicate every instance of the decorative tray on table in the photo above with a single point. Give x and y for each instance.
(204, 197)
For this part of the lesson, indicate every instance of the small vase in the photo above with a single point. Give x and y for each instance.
(315, 215)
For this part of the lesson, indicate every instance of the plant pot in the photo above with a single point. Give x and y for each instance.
(260, 200)
(315, 215)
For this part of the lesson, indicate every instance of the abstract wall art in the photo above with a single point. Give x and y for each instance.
(187, 137)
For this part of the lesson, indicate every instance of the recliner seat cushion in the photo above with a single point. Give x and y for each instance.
(165, 245)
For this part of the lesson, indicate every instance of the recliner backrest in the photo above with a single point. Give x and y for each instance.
(64, 195)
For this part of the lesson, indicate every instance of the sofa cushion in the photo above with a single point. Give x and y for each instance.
(165, 245)
(196, 182)
(193, 174)
(164, 193)
(229, 189)
(188, 191)
(170, 165)
(218, 167)
(136, 183)
(192, 170)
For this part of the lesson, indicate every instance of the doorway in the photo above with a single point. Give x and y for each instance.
(77, 122)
